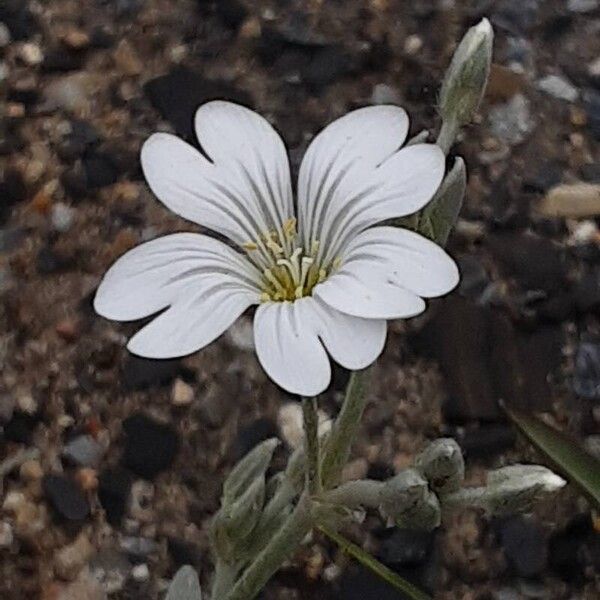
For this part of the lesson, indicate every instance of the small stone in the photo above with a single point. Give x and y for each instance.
(6, 534)
(84, 451)
(182, 394)
(524, 542)
(582, 6)
(5, 37)
(27, 403)
(140, 573)
(184, 553)
(127, 59)
(66, 497)
(150, 446)
(71, 92)
(140, 501)
(100, 170)
(575, 200)
(385, 94)
(114, 487)
(30, 53)
(253, 434)
(144, 373)
(69, 560)
(406, 547)
(586, 377)
(31, 470)
(512, 122)
(558, 87)
(413, 44)
(87, 478)
(76, 39)
(111, 569)
(62, 216)
(138, 547)
(290, 422)
(68, 329)
(241, 335)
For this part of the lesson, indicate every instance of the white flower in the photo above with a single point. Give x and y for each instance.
(324, 279)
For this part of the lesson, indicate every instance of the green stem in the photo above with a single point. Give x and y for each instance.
(281, 547)
(447, 134)
(311, 444)
(365, 559)
(344, 430)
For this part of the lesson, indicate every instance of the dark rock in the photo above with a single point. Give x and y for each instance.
(11, 239)
(473, 277)
(232, 13)
(83, 136)
(60, 60)
(328, 65)
(179, 93)
(24, 92)
(184, 553)
(252, 434)
(84, 451)
(49, 262)
(100, 170)
(66, 497)
(12, 191)
(543, 178)
(102, 39)
(150, 446)
(591, 104)
(535, 262)
(114, 487)
(75, 183)
(15, 14)
(20, 428)
(586, 293)
(574, 549)
(406, 547)
(586, 376)
(524, 542)
(357, 583)
(516, 16)
(380, 471)
(488, 440)
(145, 373)
(591, 173)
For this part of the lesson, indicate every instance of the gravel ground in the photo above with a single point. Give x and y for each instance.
(124, 457)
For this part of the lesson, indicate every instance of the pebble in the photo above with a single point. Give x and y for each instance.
(84, 451)
(31, 54)
(114, 488)
(406, 547)
(575, 200)
(111, 569)
(61, 216)
(70, 92)
(76, 39)
(512, 122)
(100, 170)
(140, 501)
(150, 446)
(66, 497)
(241, 335)
(138, 547)
(182, 394)
(6, 534)
(524, 542)
(290, 423)
(127, 59)
(385, 94)
(586, 375)
(4, 35)
(31, 470)
(140, 573)
(145, 373)
(582, 6)
(558, 87)
(69, 560)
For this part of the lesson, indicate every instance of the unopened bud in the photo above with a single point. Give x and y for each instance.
(466, 77)
(518, 487)
(253, 465)
(442, 465)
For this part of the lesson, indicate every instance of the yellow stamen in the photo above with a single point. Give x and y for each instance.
(250, 246)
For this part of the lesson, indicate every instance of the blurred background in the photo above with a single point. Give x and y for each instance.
(132, 452)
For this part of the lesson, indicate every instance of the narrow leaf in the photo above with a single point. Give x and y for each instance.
(371, 563)
(567, 456)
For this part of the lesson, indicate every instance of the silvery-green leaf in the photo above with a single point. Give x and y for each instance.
(440, 215)
(402, 492)
(253, 465)
(185, 585)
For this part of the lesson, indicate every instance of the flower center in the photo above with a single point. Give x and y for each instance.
(289, 272)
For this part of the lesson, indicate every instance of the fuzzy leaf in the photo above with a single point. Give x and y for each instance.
(185, 585)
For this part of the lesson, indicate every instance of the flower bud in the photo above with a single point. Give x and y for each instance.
(253, 465)
(466, 77)
(442, 465)
(516, 488)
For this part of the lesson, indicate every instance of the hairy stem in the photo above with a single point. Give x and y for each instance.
(345, 427)
(311, 445)
(282, 545)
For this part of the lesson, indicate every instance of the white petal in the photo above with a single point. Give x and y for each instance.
(191, 324)
(400, 186)
(404, 257)
(369, 299)
(347, 150)
(170, 269)
(288, 348)
(384, 273)
(352, 342)
(242, 189)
